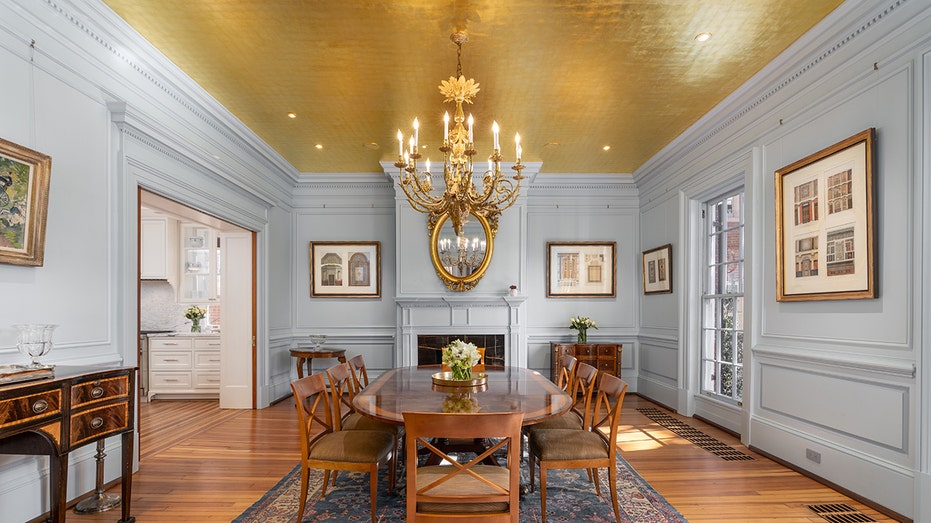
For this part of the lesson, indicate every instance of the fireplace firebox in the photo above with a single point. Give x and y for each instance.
(430, 347)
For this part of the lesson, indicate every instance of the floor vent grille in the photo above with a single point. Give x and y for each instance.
(840, 513)
(697, 437)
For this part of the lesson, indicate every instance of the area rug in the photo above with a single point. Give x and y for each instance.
(569, 497)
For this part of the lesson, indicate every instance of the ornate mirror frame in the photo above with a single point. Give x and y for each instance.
(461, 283)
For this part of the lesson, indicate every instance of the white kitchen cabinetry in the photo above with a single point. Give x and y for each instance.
(153, 240)
(184, 366)
(199, 264)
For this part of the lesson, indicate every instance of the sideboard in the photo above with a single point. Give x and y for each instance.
(606, 357)
(53, 416)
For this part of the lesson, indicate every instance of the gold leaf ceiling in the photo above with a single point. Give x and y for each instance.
(570, 76)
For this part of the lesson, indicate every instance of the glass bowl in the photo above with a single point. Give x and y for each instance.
(317, 340)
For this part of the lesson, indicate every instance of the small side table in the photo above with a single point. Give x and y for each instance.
(308, 355)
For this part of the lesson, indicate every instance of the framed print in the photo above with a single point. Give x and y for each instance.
(581, 269)
(657, 270)
(24, 182)
(345, 269)
(824, 224)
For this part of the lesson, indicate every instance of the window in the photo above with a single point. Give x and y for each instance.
(723, 298)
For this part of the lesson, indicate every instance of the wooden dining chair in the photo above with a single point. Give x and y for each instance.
(585, 378)
(324, 447)
(360, 375)
(589, 449)
(470, 491)
(566, 376)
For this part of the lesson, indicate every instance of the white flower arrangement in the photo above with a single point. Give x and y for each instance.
(460, 357)
(582, 323)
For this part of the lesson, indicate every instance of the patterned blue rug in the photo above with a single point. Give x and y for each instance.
(569, 496)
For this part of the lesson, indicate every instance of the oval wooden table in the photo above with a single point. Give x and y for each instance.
(509, 389)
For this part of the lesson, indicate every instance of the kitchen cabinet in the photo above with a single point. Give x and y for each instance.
(153, 245)
(184, 366)
(199, 264)
(606, 357)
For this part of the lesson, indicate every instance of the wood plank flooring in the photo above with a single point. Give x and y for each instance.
(200, 463)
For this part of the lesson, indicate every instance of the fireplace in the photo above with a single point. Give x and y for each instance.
(427, 324)
(430, 347)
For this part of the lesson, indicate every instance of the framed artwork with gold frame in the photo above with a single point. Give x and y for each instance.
(581, 269)
(824, 224)
(24, 185)
(345, 269)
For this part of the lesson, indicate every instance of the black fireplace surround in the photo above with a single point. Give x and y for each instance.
(430, 347)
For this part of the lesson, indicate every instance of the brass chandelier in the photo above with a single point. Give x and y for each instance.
(461, 197)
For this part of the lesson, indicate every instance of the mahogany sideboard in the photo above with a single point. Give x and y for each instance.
(53, 416)
(606, 357)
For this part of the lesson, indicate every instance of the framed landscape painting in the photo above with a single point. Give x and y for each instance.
(657, 270)
(581, 269)
(345, 269)
(824, 224)
(24, 184)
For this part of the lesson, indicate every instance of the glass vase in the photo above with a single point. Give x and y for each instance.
(461, 372)
(35, 341)
(195, 326)
(583, 336)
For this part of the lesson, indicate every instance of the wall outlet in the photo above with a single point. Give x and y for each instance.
(813, 455)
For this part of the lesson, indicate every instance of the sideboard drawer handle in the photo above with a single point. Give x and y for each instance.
(40, 406)
(97, 422)
(97, 392)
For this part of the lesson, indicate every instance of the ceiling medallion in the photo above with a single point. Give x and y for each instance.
(460, 197)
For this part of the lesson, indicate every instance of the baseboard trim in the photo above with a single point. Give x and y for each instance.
(849, 493)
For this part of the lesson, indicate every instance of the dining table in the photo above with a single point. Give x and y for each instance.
(506, 389)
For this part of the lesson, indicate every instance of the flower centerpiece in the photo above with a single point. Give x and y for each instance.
(460, 357)
(195, 314)
(582, 324)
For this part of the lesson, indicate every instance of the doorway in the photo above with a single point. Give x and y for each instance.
(189, 258)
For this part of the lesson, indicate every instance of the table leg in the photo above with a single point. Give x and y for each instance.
(300, 368)
(126, 450)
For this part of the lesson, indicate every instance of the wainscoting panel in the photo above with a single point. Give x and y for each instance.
(867, 410)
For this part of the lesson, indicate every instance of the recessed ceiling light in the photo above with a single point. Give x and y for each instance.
(551, 144)
(606, 148)
(371, 145)
(703, 37)
(292, 115)
(318, 146)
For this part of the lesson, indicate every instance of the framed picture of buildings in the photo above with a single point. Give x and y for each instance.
(581, 269)
(657, 270)
(345, 269)
(824, 224)
(24, 183)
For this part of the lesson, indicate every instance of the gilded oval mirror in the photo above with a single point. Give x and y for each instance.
(461, 261)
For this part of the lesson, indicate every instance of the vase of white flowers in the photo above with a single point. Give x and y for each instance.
(460, 357)
(582, 324)
(195, 314)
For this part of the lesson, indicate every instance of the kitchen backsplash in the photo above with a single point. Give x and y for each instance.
(158, 309)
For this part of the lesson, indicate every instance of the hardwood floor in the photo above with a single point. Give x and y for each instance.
(200, 463)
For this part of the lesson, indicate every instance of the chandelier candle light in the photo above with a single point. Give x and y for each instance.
(460, 198)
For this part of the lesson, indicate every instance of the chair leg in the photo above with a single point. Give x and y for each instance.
(393, 469)
(612, 479)
(326, 481)
(597, 481)
(542, 491)
(305, 476)
(373, 488)
(532, 463)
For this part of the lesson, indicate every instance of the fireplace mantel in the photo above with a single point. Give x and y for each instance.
(461, 315)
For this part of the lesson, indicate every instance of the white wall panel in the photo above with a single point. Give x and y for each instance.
(871, 411)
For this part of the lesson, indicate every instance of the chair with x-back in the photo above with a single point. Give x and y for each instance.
(589, 449)
(582, 388)
(463, 491)
(326, 448)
